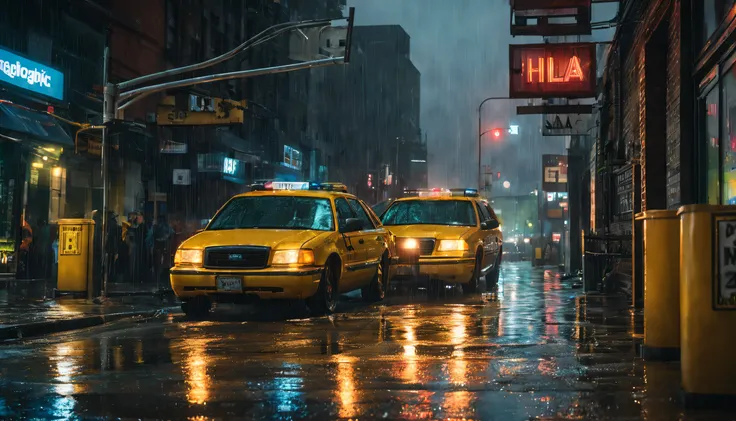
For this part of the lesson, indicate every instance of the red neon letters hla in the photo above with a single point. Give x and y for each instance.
(573, 71)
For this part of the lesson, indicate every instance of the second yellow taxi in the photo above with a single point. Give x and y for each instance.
(310, 241)
(448, 236)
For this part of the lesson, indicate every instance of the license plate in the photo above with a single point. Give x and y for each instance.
(229, 284)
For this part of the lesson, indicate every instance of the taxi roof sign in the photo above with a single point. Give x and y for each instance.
(436, 192)
(339, 187)
(465, 192)
(289, 185)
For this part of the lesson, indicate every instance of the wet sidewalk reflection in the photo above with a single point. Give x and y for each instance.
(541, 350)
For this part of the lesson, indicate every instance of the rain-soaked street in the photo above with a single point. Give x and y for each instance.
(540, 350)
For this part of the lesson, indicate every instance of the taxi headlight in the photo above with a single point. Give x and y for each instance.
(188, 257)
(452, 245)
(293, 257)
(409, 244)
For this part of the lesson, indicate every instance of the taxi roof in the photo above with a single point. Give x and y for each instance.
(297, 193)
(442, 197)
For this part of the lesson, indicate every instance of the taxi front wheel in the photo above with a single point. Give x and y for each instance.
(472, 286)
(324, 301)
(376, 291)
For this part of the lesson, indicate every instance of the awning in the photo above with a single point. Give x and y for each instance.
(41, 127)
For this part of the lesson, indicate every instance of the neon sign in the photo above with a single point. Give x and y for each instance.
(552, 70)
(30, 75)
(230, 166)
(573, 71)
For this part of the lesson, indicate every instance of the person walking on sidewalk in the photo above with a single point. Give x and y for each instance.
(159, 237)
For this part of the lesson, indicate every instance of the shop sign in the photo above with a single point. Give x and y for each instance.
(182, 177)
(552, 70)
(565, 124)
(70, 240)
(724, 285)
(171, 147)
(554, 173)
(30, 75)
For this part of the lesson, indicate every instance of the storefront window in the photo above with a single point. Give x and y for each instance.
(729, 135)
(712, 147)
(714, 11)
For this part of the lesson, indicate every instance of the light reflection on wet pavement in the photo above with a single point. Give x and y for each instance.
(540, 351)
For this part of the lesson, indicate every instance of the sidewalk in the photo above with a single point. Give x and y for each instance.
(23, 318)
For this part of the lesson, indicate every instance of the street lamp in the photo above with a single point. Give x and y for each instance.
(506, 184)
(480, 137)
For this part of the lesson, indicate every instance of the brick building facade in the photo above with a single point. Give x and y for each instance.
(664, 119)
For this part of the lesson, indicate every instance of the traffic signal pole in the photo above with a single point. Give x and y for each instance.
(117, 97)
(480, 138)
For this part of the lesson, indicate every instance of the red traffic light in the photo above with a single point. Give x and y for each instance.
(496, 132)
(498, 176)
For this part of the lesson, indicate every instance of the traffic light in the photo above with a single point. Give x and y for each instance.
(498, 176)
(496, 133)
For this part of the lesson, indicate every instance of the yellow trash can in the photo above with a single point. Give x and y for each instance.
(76, 255)
(708, 303)
(661, 285)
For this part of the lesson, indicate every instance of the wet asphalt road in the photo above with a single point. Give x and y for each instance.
(540, 350)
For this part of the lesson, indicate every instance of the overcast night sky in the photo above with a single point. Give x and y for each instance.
(461, 49)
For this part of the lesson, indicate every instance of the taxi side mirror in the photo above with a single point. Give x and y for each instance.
(491, 224)
(352, 225)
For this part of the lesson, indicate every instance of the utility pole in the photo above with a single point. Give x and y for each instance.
(480, 138)
(118, 97)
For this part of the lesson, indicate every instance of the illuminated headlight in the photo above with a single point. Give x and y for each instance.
(452, 245)
(188, 257)
(410, 244)
(293, 257)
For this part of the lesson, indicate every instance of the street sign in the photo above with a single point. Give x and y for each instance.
(554, 173)
(724, 285)
(565, 124)
(552, 70)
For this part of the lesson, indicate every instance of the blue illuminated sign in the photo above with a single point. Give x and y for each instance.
(27, 74)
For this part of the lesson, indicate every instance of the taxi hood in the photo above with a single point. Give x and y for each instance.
(273, 238)
(447, 232)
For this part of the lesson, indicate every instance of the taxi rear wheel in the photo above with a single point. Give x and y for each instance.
(376, 291)
(324, 301)
(472, 286)
(196, 307)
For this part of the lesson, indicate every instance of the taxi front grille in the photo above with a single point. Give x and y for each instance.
(426, 245)
(236, 257)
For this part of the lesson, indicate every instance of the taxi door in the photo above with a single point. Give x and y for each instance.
(490, 237)
(354, 268)
(373, 236)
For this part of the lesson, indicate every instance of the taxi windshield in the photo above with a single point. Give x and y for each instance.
(430, 212)
(275, 212)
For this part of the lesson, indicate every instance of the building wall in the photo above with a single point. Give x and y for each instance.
(644, 18)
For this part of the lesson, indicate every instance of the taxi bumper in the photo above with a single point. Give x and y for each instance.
(270, 283)
(448, 269)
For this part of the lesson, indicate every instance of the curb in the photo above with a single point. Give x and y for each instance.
(37, 329)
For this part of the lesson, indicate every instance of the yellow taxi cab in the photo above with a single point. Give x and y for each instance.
(448, 236)
(310, 241)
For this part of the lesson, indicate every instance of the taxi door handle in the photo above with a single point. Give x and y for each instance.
(361, 241)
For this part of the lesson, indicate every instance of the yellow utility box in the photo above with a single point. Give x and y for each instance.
(661, 285)
(76, 255)
(708, 303)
